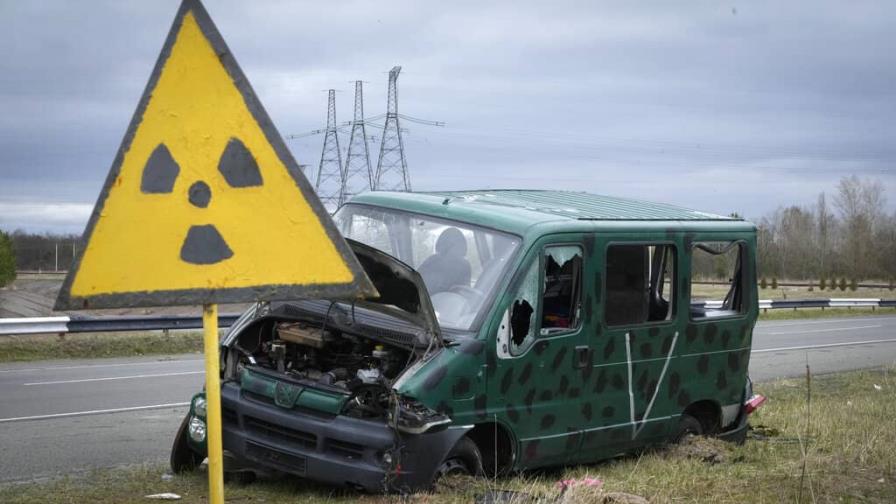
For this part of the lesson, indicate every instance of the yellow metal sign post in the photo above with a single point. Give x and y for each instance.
(201, 182)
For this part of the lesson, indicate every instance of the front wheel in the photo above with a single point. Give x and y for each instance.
(463, 460)
(183, 458)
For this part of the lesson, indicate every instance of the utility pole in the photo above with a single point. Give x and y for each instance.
(57, 257)
(392, 168)
(329, 173)
(357, 176)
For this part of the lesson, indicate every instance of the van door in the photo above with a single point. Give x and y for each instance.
(633, 340)
(537, 383)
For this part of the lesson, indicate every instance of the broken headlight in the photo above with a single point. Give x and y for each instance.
(197, 430)
(199, 406)
(416, 418)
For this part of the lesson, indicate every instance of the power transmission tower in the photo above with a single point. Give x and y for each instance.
(392, 168)
(329, 173)
(357, 177)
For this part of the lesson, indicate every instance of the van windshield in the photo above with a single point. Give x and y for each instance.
(460, 263)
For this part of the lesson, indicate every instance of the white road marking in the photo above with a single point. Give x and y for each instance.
(94, 412)
(84, 380)
(813, 331)
(826, 345)
(89, 366)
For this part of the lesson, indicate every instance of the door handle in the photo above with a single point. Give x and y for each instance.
(583, 356)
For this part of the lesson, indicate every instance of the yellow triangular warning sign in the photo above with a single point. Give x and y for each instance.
(204, 203)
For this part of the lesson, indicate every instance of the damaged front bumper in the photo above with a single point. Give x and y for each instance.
(332, 449)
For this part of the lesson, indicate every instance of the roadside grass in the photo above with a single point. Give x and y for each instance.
(818, 313)
(850, 456)
(93, 345)
(703, 291)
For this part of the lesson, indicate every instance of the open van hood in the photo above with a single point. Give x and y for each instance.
(402, 291)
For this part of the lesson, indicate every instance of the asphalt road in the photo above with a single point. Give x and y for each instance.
(71, 416)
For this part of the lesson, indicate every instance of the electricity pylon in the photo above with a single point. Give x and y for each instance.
(392, 168)
(329, 173)
(357, 176)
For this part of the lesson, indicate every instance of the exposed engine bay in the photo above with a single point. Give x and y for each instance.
(308, 355)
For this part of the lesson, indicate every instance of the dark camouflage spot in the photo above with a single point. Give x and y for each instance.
(674, 384)
(618, 382)
(726, 338)
(589, 308)
(586, 411)
(642, 380)
(546, 396)
(574, 392)
(512, 414)
(601, 382)
(524, 376)
(479, 405)
(651, 388)
(709, 334)
(684, 399)
(609, 348)
(532, 449)
(608, 412)
(530, 396)
(691, 333)
(547, 421)
(461, 387)
(703, 364)
(558, 359)
(733, 361)
(721, 380)
(541, 346)
(564, 385)
(506, 379)
(435, 378)
(646, 351)
(667, 345)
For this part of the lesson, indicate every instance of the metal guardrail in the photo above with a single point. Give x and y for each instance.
(83, 324)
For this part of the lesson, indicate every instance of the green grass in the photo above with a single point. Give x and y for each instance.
(849, 457)
(90, 345)
(818, 313)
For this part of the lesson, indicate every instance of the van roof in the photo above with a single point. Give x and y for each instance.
(513, 209)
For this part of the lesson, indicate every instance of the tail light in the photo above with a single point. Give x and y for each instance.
(754, 403)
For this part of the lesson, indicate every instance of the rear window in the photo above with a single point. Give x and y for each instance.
(717, 279)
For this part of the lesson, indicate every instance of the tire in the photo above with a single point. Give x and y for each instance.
(463, 459)
(687, 426)
(183, 458)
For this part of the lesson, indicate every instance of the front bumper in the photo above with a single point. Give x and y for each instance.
(336, 450)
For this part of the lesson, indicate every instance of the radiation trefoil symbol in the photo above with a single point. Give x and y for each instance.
(203, 244)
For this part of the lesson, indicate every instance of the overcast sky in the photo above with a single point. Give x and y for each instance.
(723, 107)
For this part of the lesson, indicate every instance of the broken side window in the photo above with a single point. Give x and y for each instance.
(522, 310)
(562, 289)
(640, 284)
(717, 279)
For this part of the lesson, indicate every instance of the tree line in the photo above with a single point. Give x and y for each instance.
(849, 235)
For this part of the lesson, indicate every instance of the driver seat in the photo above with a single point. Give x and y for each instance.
(448, 267)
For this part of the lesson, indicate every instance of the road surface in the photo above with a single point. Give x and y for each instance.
(70, 416)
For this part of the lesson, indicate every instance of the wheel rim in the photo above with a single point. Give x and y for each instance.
(453, 467)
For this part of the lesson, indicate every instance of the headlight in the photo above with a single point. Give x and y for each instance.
(197, 430)
(199, 406)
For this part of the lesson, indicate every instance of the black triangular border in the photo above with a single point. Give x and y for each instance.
(358, 288)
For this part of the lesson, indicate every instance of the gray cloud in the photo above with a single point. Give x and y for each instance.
(691, 103)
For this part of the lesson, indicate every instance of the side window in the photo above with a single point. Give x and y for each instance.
(717, 279)
(640, 284)
(550, 302)
(562, 289)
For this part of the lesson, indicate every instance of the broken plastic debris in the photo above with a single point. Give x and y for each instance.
(583, 482)
(163, 496)
(877, 387)
(167, 477)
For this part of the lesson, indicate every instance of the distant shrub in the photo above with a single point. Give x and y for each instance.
(774, 283)
(7, 260)
(853, 284)
(822, 284)
(891, 286)
(763, 284)
(843, 283)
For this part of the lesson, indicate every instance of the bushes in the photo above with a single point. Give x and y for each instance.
(7, 260)
(822, 284)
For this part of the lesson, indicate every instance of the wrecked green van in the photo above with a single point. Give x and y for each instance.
(514, 330)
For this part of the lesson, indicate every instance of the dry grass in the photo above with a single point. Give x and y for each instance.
(93, 345)
(850, 457)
